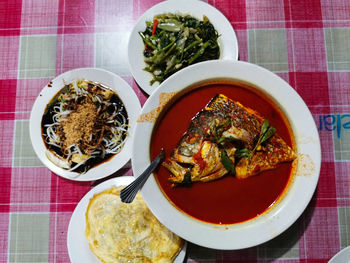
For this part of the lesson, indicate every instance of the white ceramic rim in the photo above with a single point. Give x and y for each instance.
(77, 244)
(227, 40)
(111, 80)
(343, 256)
(284, 213)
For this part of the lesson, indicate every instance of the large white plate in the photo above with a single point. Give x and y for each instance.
(343, 256)
(78, 246)
(227, 40)
(125, 92)
(281, 215)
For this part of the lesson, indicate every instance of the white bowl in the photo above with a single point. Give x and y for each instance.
(343, 256)
(111, 80)
(227, 40)
(299, 192)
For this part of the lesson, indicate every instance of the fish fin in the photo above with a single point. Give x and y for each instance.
(178, 172)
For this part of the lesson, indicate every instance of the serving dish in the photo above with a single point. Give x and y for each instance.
(227, 40)
(78, 247)
(111, 80)
(343, 256)
(306, 171)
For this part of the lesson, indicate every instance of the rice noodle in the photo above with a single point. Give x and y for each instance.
(96, 118)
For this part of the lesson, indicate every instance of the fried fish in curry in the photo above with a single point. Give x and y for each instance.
(226, 137)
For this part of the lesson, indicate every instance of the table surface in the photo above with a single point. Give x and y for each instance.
(307, 43)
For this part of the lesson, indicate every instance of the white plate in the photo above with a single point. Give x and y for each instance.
(281, 215)
(227, 40)
(343, 256)
(78, 246)
(125, 92)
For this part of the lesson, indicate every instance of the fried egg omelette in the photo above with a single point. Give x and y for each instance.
(119, 232)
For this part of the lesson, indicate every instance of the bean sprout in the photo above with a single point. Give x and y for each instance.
(109, 128)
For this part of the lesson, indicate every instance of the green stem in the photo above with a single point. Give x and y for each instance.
(199, 52)
(147, 41)
(193, 44)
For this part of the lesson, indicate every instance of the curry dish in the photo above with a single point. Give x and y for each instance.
(209, 153)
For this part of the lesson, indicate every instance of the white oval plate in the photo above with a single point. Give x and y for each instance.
(227, 40)
(280, 216)
(343, 256)
(111, 80)
(78, 246)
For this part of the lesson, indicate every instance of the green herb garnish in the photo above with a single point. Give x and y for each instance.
(242, 153)
(226, 139)
(266, 133)
(187, 180)
(217, 130)
(227, 162)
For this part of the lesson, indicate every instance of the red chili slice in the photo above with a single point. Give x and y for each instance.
(155, 23)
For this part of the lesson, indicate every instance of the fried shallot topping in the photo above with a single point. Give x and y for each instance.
(79, 124)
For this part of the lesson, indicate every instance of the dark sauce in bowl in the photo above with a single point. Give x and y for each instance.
(115, 102)
(227, 200)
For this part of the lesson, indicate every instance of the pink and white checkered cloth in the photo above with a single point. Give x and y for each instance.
(307, 43)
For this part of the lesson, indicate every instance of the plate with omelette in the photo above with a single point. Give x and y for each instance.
(103, 229)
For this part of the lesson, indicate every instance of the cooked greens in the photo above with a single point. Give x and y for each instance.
(173, 42)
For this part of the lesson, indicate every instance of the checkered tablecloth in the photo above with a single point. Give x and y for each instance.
(306, 42)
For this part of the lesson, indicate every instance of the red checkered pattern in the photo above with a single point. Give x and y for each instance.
(7, 98)
(74, 51)
(9, 56)
(112, 16)
(6, 140)
(312, 86)
(4, 222)
(10, 17)
(76, 17)
(39, 17)
(316, 63)
(27, 91)
(303, 14)
(339, 87)
(342, 183)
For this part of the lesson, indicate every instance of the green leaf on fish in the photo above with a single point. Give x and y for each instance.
(264, 127)
(227, 162)
(227, 139)
(268, 134)
(218, 128)
(187, 180)
(242, 153)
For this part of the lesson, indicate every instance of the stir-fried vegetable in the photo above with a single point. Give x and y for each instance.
(84, 124)
(173, 42)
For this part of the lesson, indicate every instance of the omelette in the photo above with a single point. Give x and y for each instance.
(120, 232)
(226, 137)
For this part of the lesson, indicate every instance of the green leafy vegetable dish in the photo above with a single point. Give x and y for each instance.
(173, 41)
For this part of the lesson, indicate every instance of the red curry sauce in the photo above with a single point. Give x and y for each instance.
(227, 200)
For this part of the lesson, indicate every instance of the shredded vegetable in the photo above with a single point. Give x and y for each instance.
(173, 42)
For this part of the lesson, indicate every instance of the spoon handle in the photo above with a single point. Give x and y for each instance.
(129, 192)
